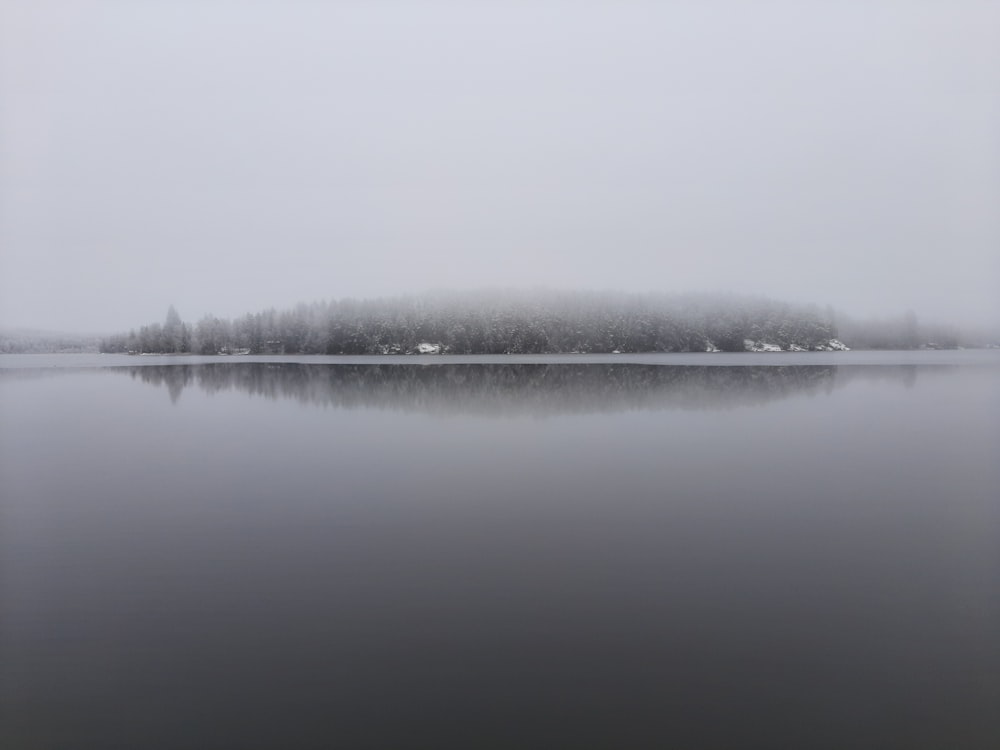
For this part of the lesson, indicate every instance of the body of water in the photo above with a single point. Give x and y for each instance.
(776, 551)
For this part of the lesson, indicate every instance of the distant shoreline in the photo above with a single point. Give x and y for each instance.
(949, 357)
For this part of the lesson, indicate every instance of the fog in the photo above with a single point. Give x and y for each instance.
(224, 157)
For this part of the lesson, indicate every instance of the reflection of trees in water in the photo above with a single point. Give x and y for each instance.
(515, 389)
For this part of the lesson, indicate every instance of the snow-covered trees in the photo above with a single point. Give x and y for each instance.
(495, 323)
(175, 333)
(173, 336)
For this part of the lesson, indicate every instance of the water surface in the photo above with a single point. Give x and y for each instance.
(500, 553)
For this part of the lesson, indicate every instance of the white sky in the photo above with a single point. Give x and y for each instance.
(225, 157)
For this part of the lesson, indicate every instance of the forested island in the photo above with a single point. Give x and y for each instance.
(498, 323)
(509, 322)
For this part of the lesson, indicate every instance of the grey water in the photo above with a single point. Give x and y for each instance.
(620, 553)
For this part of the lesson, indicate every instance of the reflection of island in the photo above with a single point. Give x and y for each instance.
(515, 389)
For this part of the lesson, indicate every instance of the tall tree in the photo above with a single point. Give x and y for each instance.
(173, 332)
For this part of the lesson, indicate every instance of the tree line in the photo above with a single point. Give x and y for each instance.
(46, 342)
(494, 323)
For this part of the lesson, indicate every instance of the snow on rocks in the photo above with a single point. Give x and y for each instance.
(760, 346)
(833, 345)
(830, 345)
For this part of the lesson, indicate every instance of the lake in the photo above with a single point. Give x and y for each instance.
(777, 551)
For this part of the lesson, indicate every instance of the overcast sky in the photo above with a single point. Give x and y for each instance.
(225, 157)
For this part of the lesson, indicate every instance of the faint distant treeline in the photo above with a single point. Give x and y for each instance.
(495, 323)
(903, 332)
(507, 390)
(39, 342)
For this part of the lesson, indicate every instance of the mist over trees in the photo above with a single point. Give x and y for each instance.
(903, 332)
(492, 322)
(519, 322)
(21, 341)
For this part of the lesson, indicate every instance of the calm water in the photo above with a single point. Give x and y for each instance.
(623, 554)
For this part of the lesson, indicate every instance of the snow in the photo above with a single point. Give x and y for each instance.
(760, 346)
(833, 345)
(426, 348)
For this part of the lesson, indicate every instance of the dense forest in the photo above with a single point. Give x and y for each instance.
(498, 323)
